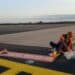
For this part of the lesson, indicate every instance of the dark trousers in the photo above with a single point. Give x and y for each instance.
(58, 46)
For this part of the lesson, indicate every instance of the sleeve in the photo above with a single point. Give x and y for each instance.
(71, 42)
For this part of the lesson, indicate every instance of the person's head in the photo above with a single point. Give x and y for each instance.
(66, 37)
(70, 34)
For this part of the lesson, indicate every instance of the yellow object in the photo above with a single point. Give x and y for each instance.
(14, 68)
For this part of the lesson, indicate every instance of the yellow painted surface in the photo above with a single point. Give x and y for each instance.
(17, 67)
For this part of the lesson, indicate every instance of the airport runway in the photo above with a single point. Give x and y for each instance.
(60, 65)
(37, 42)
(8, 29)
(36, 38)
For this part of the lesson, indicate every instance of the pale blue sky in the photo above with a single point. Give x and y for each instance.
(30, 8)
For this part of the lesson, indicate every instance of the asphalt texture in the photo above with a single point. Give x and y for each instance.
(61, 64)
(8, 29)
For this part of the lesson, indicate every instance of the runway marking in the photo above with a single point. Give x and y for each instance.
(19, 67)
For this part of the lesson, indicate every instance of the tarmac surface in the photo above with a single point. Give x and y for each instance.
(36, 38)
(61, 64)
(14, 42)
(8, 29)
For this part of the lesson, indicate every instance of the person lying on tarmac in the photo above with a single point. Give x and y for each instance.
(63, 45)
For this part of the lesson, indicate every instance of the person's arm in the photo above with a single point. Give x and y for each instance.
(67, 47)
(71, 43)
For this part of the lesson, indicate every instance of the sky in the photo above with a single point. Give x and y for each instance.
(31, 8)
